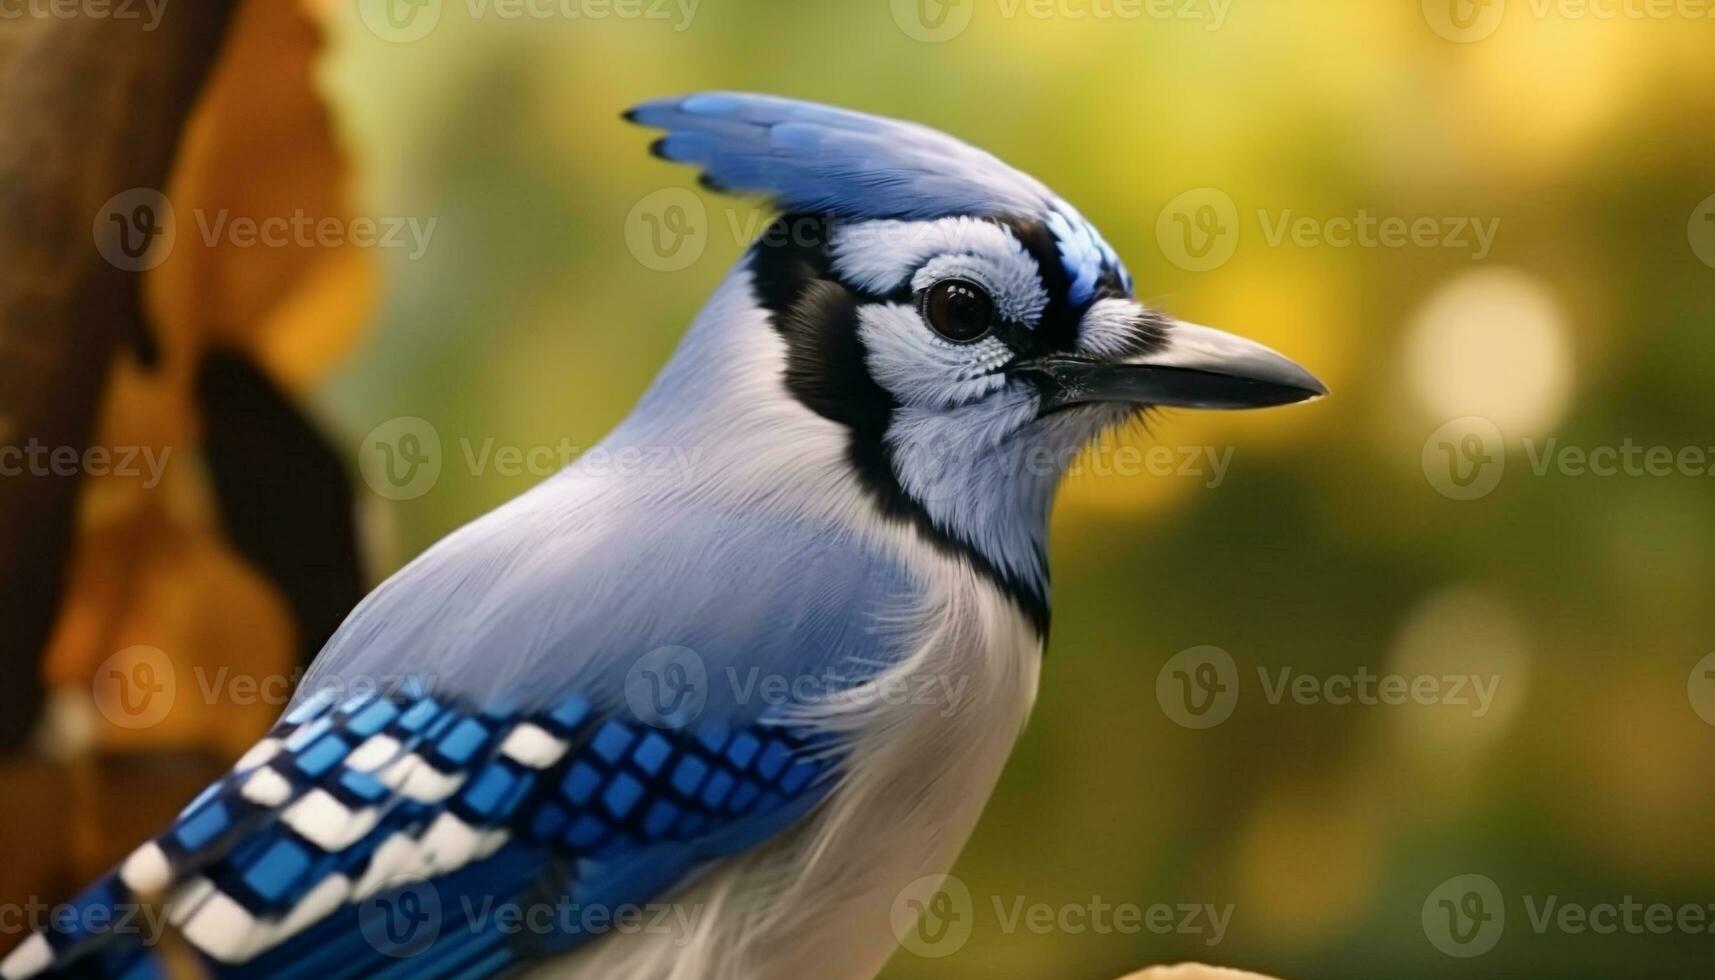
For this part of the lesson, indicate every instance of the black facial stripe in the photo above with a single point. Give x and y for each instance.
(1058, 330)
(827, 369)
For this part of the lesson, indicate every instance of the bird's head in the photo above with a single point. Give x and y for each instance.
(968, 328)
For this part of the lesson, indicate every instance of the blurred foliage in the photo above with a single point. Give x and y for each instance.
(1324, 549)
(167, 572)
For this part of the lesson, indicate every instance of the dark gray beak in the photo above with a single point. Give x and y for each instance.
(1199, 368)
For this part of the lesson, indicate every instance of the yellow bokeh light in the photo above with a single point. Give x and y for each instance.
(1492, 343)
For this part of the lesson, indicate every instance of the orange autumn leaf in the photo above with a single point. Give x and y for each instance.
(151, 568)
(263, 261)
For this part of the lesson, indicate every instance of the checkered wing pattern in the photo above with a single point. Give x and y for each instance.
(295, 863)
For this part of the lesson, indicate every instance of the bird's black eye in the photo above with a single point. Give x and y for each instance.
(957, 309)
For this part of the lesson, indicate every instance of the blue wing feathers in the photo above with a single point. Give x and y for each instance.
(633, 809)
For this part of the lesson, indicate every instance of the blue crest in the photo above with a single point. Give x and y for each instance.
(809, 157)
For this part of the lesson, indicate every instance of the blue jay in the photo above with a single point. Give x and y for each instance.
(766, 693)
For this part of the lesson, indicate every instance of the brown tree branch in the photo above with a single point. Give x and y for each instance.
(92, 106)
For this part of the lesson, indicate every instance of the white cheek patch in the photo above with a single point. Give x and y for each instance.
(882, 256)
(1110, 327)
(918, 368)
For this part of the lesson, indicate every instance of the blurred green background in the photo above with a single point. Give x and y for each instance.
(1585, 142)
